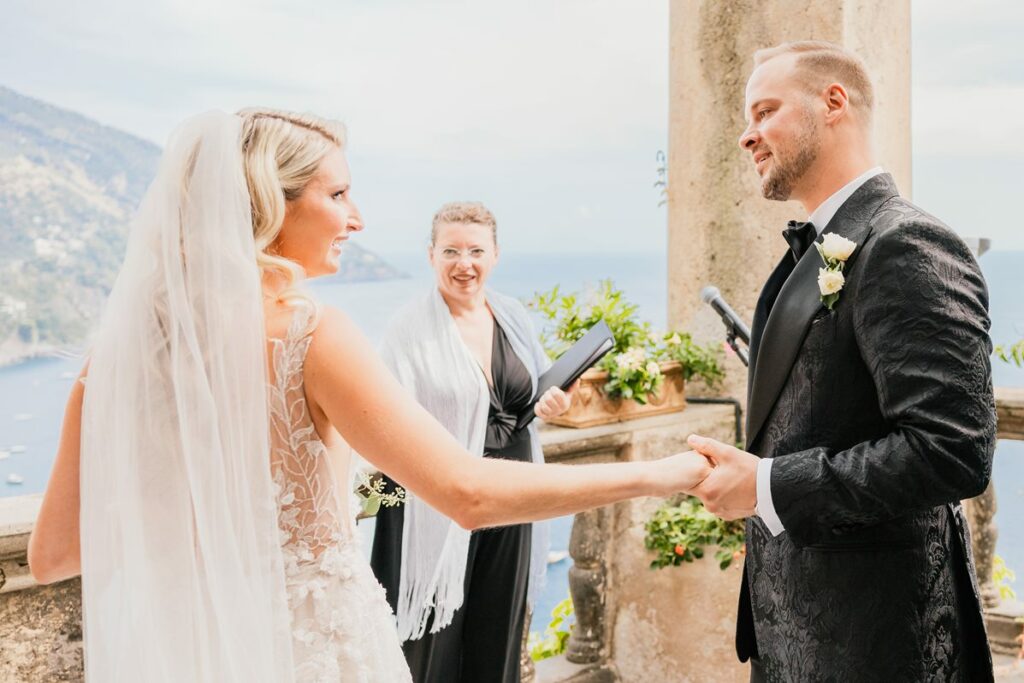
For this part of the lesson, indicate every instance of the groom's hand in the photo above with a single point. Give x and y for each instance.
(730, 491)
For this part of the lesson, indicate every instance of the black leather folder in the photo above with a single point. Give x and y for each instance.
(583, 355)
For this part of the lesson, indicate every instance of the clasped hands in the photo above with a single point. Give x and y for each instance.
(729, 490)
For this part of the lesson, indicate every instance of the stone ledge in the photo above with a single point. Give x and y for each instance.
(560, 670)
(1010, 413)
(564, 444)
(17, 515)
(1005, 627)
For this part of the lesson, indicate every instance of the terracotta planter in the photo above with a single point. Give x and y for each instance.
(591, 407)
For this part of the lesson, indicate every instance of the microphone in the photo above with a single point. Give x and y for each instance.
(734, 325)
(712, 297)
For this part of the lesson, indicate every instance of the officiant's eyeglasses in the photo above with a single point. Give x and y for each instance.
(453, 254)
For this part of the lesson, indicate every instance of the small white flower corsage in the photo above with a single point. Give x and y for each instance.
(835, 250)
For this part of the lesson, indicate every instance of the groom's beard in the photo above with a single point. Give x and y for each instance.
(786, 171)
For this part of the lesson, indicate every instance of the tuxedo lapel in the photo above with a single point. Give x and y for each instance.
(799, 300)
(769, 293)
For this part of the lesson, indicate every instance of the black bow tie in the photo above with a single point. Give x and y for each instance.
(800, 237)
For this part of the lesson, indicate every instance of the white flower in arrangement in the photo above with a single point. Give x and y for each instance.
(655, 337)
(653, 369)
(622, 362)
(830, 281)
(631, 359)
(836, 247)
(675, 340)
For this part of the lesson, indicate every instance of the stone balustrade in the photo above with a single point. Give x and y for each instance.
(1002, 618)
(634, 623)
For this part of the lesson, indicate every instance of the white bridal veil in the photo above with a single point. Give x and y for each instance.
(181, 568)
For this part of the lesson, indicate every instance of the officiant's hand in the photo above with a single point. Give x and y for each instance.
(730, 491)
(554, 402)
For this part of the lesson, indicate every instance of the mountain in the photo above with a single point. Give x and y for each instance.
(68, 187)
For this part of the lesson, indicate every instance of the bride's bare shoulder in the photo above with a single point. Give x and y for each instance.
(342, 371)
(337, 338)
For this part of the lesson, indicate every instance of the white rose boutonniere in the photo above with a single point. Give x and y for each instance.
(830, 281)
(835, 250)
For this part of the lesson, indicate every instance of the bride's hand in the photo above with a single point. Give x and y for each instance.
(682, 472)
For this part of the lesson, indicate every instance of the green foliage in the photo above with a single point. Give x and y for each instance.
(556, 636)
(1003, 576)
(569, 319)
(633, 365)
(678, 532)
(697, 361)
(1014, 353)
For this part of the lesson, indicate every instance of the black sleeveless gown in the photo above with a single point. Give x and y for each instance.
(484, 641)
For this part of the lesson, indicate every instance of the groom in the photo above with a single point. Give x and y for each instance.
(870, 406)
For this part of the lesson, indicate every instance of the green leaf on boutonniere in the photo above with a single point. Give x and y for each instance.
(821, 252)
(829, 300)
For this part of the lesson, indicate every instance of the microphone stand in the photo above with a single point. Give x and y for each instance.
(730, 337)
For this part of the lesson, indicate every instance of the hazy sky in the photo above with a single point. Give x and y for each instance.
(550, 112)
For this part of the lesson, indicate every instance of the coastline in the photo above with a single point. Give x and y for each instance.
(7, 358)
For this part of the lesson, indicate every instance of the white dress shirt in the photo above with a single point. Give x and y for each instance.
(820, 218)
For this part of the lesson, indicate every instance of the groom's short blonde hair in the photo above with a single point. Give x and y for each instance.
(820, 64)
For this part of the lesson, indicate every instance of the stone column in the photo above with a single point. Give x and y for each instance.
(587, 583)
(720, 230)
(981, 515)
(527, 669)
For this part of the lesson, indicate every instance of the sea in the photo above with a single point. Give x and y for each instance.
(33, 393)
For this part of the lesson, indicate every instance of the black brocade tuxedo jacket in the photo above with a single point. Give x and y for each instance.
(880, 417)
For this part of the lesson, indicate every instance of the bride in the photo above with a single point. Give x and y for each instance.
(202, 482)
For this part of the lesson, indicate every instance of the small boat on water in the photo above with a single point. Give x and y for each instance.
(22, 417)
(13, 478)
(17, 449)
(4, 455)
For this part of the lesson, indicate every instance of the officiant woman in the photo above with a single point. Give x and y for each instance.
(471, 357)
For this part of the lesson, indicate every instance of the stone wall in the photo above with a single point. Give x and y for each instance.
(40, 626)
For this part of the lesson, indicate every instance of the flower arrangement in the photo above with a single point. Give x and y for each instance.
(679, 530)
(634, 365)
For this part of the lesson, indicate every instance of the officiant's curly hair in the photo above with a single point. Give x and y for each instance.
(464, 212)
(820, 63)
(282, 152)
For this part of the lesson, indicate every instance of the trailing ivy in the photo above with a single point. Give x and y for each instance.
(1014, 353)
(556, 636)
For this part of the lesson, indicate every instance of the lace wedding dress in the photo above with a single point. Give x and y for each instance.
(342, 626)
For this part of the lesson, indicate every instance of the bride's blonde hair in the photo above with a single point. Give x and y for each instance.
(282, 152)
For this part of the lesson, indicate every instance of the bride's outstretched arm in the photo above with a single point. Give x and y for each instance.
(53, 549)
(358, 395)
